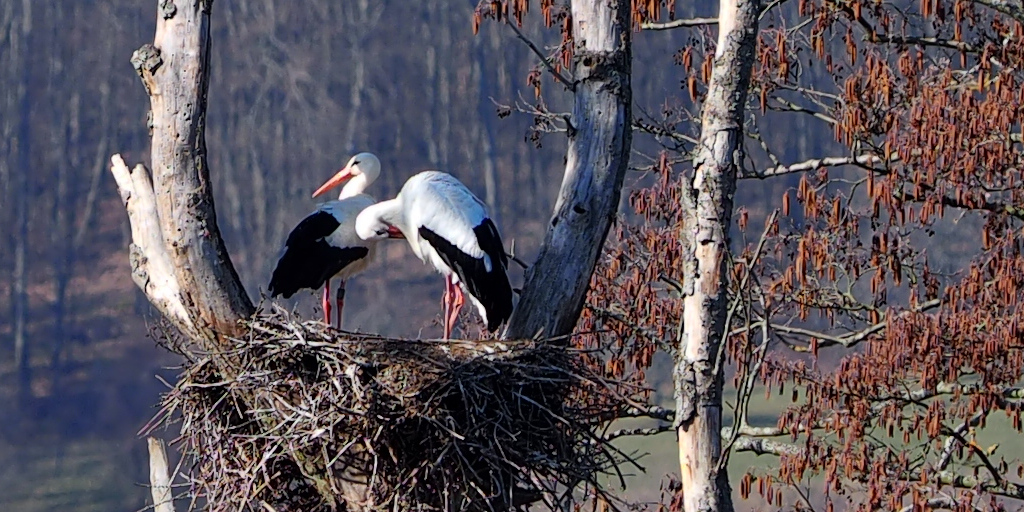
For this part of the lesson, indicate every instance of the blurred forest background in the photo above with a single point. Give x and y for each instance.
(297, 87)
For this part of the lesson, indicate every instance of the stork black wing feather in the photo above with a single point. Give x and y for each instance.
(308, 260)
(492, 288)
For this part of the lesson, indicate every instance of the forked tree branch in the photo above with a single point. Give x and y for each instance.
(815, 164)
(925, 41)
(543, 58)
(852, 338)
(178, 255)
(961, 481)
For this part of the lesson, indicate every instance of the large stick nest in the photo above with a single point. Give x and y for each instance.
(316, 419)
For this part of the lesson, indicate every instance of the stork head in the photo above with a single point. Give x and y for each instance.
(361, 169)
(380, 221)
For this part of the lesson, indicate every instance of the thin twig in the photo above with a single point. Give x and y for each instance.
(570, 85)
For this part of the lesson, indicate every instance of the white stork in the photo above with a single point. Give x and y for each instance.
(325, 244)
(448, 227)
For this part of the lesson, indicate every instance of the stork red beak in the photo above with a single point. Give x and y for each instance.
(394, 232)
(342, 176)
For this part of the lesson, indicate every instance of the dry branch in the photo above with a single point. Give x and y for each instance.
(669, 25)
(543, 59)
(815, 164)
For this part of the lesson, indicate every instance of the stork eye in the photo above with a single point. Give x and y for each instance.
(356, 162)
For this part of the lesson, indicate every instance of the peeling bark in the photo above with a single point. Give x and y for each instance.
(159, 476)
(698, 376)
(599, 140)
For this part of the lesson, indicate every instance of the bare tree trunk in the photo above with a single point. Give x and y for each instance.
(698, 379)
(20, 40)
(174, 70)
(443, 99)
(61, 248)
(74, 224)
(430, 91)
(19, 287)
(357, 55)
(8, 127)
(598, 154)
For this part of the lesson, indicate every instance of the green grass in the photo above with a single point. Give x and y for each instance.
(83, 475)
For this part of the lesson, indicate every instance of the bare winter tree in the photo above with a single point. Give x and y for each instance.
(19, 130)
(898, 357)
(708, 202)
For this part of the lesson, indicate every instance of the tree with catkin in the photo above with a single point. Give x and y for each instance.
(874, 274)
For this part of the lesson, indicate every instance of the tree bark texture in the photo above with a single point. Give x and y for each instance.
(209, 297)
(698, 376)
(599, 141)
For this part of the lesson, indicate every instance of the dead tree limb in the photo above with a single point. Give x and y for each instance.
(174, 70)
(709, 199)
(598, 154)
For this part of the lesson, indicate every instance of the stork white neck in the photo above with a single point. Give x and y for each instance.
(355, 186)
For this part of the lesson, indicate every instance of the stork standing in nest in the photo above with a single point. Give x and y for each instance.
(449, 228)
(325, 243)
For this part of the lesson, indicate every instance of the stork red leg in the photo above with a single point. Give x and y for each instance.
(327, 302)
(457, 301)
(446, 299)
(339, 297)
